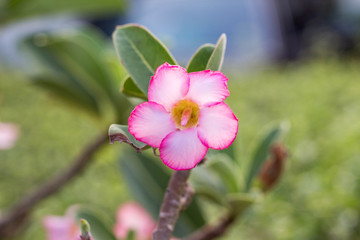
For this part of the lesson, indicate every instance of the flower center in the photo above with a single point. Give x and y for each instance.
(185, 114)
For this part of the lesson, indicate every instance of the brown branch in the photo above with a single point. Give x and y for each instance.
(174, 199)
(187, 196)
(13, 220)
(209, 232)
(85, 238)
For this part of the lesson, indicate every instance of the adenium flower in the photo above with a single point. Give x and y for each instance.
(185, 115)
(9, 133)
(61, 228)
(132, 216)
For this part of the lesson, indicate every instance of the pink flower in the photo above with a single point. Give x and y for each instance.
(61, 228)
(132, 216)
(8, 135)
(185, 115)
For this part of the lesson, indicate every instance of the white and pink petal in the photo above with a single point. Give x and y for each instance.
(150, 123)
(207, 87)
(182, 149)
(169, 84)
(217, 126)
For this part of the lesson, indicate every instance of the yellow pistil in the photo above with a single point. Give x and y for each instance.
(185, 114)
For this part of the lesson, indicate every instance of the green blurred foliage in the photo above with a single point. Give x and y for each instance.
(78, 66)
(52, 134)
(317, 198)
(11, 10)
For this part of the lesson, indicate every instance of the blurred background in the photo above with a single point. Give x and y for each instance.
(294, 60)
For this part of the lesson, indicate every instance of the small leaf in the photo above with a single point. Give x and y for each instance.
(224, 167)
(121, 133)
(129, 88)
(140, 52)
(98, 227)
(200, 59)
(208, 184)
(239, 202)
(261, 154)
(211, 194)
(229, 151)
(217, 57)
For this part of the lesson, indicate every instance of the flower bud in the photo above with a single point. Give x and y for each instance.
(85, 229)
(272, 169)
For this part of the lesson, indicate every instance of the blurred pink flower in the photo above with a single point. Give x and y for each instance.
(132, 216)
(185, 115)
(9, 133)
(61, 228)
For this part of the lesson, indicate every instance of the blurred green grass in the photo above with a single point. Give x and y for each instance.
(12, 10)
(317, 197)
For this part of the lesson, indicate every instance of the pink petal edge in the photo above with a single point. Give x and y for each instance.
(169, 84)
(182, 149)
(218, 126)
(150, 123)
(207, 87)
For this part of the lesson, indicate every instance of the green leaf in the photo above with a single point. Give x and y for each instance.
(229, 151)
(239, 202)
(129, 88)
(78, 56)
(200, 59)
(224, 167)
(261, 154)
(121, 133)
(98, 228)
(217, 57)
(211, 194)
(147, 179)
(140, 52)
(68, 92)
(208, 184)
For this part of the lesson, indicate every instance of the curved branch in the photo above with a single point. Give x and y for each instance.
(212, 232)
(13, 220)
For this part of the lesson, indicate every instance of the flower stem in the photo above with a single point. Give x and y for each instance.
(176, 197)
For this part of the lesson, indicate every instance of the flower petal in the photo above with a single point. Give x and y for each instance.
(132, 216)
(207, 87)
(9, 133)
(182, 150)
(61, 228)
(217, 126)
(168, 85)
(149, 122)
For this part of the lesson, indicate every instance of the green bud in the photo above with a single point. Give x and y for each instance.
(85, 228)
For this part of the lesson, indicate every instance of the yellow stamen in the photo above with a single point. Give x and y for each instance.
(185, 114)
